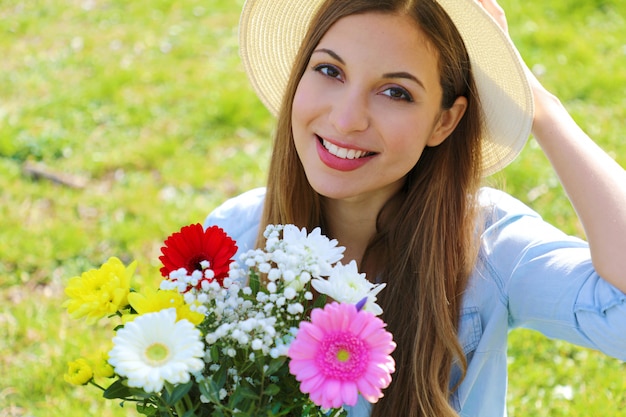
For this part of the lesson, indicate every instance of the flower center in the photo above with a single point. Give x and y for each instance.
(157, 353)
(343, 356)
(195, 263)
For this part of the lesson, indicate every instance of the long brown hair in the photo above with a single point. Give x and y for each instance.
(425, 242)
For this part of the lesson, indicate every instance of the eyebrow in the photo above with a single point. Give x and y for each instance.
(400, 74)
(331, 53)
(405, 75)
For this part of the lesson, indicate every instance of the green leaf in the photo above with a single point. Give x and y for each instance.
(210, 390)
(275, 407)
(320, 301)
(254, 283)
(215, 354)
(247, 392)
(171, 398)
(271, 390)
(275, 365)
(279, 409)
(241, 398)
(220, 376)
(217, 413)
(117, 390)
(147, 409)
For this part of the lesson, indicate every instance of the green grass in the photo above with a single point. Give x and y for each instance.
(146, 103)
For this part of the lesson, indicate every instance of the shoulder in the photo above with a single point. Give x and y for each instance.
(240, 217)
(513, 238)
(496, 205)
(508, 224)
(504, 216)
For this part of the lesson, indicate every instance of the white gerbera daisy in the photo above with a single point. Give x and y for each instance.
(155, 348)
(346, 285)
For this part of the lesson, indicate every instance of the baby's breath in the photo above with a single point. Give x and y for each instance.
(252, 315)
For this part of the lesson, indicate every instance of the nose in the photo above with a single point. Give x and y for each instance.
(349, 112)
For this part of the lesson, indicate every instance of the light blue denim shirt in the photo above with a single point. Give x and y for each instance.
(529, 274)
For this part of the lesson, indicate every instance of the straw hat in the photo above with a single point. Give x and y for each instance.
(271, 31)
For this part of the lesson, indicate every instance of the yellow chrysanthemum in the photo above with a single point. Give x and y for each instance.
(185, 312)
(79, 372)
(99, 292)
(151, 301)
(101, 366)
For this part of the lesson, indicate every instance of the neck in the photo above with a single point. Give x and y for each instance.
(353, 224)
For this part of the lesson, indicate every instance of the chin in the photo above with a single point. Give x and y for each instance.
(332, 192)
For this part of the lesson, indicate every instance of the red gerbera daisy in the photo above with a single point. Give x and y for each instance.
(194, 245)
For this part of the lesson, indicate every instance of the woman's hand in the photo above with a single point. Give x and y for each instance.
(594, 182)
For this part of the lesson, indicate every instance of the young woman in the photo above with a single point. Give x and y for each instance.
(389, 114)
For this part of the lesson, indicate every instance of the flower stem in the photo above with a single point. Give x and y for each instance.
(95, 384)
(188, 402)
(180, 409)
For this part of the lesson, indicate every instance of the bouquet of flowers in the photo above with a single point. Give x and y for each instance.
(287, 331)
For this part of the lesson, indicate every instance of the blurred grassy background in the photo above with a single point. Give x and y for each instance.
(122, 121)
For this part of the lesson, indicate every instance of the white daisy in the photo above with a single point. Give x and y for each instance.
(317, 246)
(155, 348)
(346, 285)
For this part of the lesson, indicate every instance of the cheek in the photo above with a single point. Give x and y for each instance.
(306, 99)
(411, 134)
(405, 149)
(301, 116)
(406, 142)
(298, 110)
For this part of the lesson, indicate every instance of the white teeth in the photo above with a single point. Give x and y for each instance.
(342, 153)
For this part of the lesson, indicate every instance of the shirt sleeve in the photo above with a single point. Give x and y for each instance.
(548, 280)
(240, 217)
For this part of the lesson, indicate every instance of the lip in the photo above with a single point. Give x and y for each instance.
(339, 164)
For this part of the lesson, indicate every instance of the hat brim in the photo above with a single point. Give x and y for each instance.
(271, 31)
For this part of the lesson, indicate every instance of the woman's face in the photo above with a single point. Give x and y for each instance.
(366, 106)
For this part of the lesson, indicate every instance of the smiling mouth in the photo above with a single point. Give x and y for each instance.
(343, 153)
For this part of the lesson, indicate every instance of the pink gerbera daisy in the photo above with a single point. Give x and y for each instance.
(341, 353)
(193, 245)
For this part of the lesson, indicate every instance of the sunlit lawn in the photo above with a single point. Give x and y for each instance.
(142, 114)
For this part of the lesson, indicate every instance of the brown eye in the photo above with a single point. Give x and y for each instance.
(397, 93)
(328, 70)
